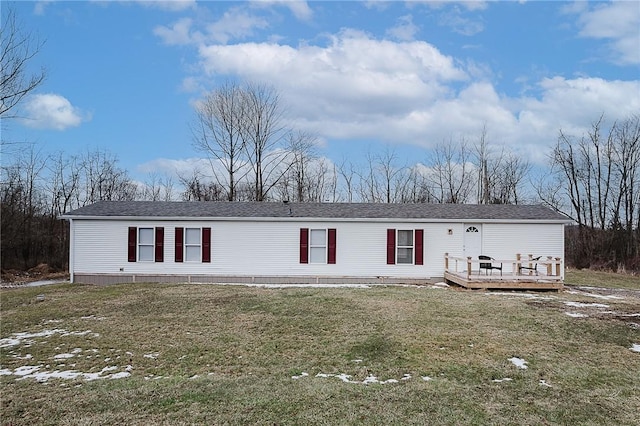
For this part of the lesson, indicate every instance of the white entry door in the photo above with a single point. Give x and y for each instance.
(473, 240)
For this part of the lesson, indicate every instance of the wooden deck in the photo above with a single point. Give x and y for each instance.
(466, 273)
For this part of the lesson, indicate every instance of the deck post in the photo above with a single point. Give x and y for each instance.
(518, 257)
(446, 262)
(530, 264)
(557, 266)
(468, 267)
(549, 266)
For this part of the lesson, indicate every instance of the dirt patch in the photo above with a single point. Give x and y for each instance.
(13, 277)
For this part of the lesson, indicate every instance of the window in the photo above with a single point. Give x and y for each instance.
(318, 245)
(405, 246)
(146, 244)
(472, 229)
(192, 247)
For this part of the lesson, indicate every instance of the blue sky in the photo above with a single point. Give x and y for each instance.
(363, 75)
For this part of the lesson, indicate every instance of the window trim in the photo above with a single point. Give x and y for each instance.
(412, 246)
(324, 246)
(185, 245)
(139, 244)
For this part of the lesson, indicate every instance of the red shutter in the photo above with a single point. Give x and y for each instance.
(206, 245)
(159, 245)
(419, 247)
(133, 240)
(391, 246)
(179, 244)
(304, 245)
(331, 254)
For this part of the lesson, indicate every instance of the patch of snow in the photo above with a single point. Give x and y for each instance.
(635, 347)
(27, 356)
(63, 356)
(576, 315)
(153, 355)
(306, 285)
(195, 376)
(356, 360)
(518, 362)
(370, 379)
(596, 296)
(519, 294)
(19, 337)
(441, 285)
(303, 374)
(32, 371)
(426, 378)
(506, 379)
(543, 382)
(93, 317)
(585, 305)
(51, 321)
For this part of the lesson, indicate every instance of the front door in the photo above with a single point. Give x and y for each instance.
(473, 240)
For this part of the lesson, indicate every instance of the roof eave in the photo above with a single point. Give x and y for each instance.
(310, 219)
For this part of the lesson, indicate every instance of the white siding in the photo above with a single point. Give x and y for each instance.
(247, 248)
(504, 241)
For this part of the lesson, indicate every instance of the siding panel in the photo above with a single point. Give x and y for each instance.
(274, 248)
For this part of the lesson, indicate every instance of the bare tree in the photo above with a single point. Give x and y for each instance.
(221, 118)
(597, 177)
(262, 134)
(302, 146)
(346, 172)
(17, 48)
(452, 175)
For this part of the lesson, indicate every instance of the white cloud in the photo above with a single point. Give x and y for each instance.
(40, 7)
(470, 5)
(179, 33)
(619, 23)
(235, 24)
(168, 5)
(176, 168)
(51, 111)
(355, 86)
(299, 8)
(404, 30)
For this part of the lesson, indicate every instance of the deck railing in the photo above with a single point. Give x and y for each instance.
(544, 268)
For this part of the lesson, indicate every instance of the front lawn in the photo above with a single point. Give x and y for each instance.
(208, 354)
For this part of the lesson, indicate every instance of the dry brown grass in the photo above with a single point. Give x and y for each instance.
(226, 355)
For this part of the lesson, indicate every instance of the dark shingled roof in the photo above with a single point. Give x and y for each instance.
(208, 209)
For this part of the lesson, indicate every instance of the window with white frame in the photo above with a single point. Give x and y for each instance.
(146, 244)
(192, 244)
(404, 248)
(318, 246)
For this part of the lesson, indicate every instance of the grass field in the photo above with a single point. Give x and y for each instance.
(206, 354)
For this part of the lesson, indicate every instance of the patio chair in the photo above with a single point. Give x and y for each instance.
(488, 266)
(533, 268)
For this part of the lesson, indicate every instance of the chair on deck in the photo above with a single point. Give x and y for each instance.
(488, 266)
(533, 268)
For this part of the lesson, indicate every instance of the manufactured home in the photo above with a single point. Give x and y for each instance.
(319, 243)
